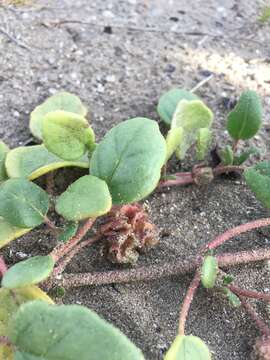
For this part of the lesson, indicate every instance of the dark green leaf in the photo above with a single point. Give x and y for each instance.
(34, 161)
(244, 156)
(228, 279)
(67, 135)
(23, 203)
(67, 332)
(168, 102)
(245, 119)
(233, 299)
(188, 348)
(258, 179)
(69, 231)
(28, 272)
(3, 153)
(209, 272)
(226, 155)
(60, 101)
(129, 159)
(87, 197)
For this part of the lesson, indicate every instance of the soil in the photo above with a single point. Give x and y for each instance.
(119, 57)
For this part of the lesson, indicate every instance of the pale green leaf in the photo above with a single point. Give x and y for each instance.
(23, 203)
(209, 272)
(173, 140)
(34, 161)
(87, 197)
(10, 302)
(67, 332)
(10, 232)
(60, 101)
(245, 119)
(226, 155)
(28, 272)
(245, 155)
(191, 116)
(188, 348)
(203, 143)
(168, 102)
(129, 159)
(67, 135)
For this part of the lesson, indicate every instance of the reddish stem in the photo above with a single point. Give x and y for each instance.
(64, 262)
(187, 302)
(261, 325)
(235, 145)
(62, 249)
(54, 229)
(249, 293)
(183, 179)
(4, 341)
(220, 169)
(3, 266)
(238, 230)
(146, 273)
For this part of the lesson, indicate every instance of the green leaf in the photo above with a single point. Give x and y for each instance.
(191, 116)
(244, 156)
(233, 299)
(60, 101)
(258, 179)
(173, 140)
(10, 302)
(168, 102)
(3, 153)
(188, 348)
(87, 197)
(209, 272)
(228, 279)
(245, 119)
(67, 135)
(69, 231)
(67, 332)
(129, 159)
(226, 155)
(203, 143)
(9, 232)
(23, 203)
(34, 161)
(265, 16)
(28, 272)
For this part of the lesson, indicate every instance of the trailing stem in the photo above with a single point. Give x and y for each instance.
(147, 273)
(187, 302)
(62, 249)
(249, 293)
(238, 230)
(261, 325)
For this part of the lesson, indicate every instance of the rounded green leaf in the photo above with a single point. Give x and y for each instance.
(28, 272)
(168, 102)
(191, 116)
(3, 153)
(245, 119)
(34, 161)
(60, 101)
(69, 231)
(10, 301)
(258, 179)
(209, 272)
(87, 197)
(67, 332)
(67, 135)
(23, 203)
(173, 140)
(203, 143)
(9, 232)
(245, 155)
(129, 159)
(233, 299)
(188, 348)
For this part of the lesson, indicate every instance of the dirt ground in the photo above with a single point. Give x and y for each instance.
(119, 57)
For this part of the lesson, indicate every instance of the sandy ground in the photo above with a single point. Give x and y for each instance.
(119, 56)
